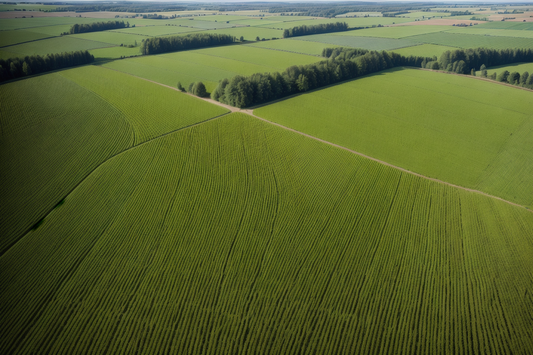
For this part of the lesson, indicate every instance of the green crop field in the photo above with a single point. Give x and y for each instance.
(519, 67)
(51, 31)
(230, 237)
(371, 43)
(293, 45)
(424, 50)
(151, 109)
(104, 112)
(114, 52)
(394, 31)
(25, 23)
(51, 45)
(8, 38)
(492, 32)
(115, 38)
(467, 136)
(156, 30)
(507, 25)
(472, 41)
(423, 14)
(209, 65)
(48, 145)
(250, 33)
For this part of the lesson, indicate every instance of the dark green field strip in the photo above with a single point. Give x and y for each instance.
(49, 144)
(472, 41)
(236, 236)
(370, 43)
(8, 38)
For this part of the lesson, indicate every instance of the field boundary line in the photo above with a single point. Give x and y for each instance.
(105, 161)
(385, 163)
(250, 113)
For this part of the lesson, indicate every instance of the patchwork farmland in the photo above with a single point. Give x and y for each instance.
(386, 214)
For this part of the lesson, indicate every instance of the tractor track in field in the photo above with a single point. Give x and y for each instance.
(250, 113)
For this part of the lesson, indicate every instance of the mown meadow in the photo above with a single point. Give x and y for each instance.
(230, 237)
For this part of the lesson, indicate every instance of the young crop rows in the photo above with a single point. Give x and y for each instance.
(236, 236)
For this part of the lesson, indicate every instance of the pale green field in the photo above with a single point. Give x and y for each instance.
(151, 109)
(51, 45)
(293, 45)
(424, 50)
(209, 65)
(475, 30)
(8, 38)
(467, 136)
(519, 67)
(52, 31)
(394, 31)
(236, 236)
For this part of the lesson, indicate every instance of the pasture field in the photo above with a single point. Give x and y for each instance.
(255, 21)
(394, 31)
(492, 32)
(472, 41)
(48, 145)
(229, 237)
(423, 50)
(110, 37)
(465, 137)
(293, 45)
(518, 67)
(371, 43)
(152, 110)
(8, 38)
(360, 14)
(51, 31)
(209, 65)
(51, 45)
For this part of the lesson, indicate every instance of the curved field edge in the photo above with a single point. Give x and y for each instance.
(236, 236)
(469, 133)
(54, 133)
(57, 128)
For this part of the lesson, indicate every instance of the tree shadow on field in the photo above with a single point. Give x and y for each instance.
(103, 60)
(383, 72)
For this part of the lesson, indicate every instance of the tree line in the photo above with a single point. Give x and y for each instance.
(155, 45)
(241, 91)
(96, 26)
(331, 10)
(513, 78)
(314, 29)
(18, 67)
(464, 61)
